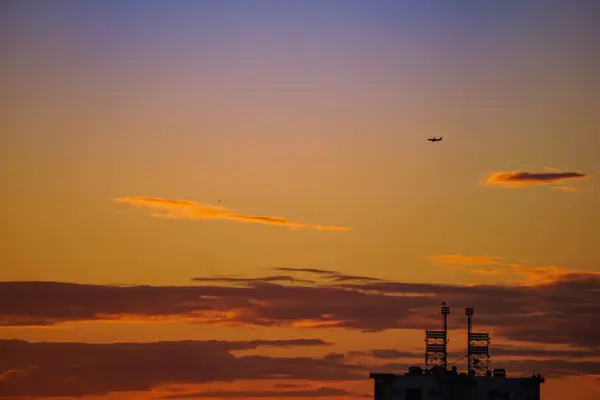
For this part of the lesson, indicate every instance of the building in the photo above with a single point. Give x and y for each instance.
(437, 382)
(443, 384)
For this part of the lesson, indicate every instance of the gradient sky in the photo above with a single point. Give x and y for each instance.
(243, 125)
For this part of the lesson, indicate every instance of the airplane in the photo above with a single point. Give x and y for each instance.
(434, 139)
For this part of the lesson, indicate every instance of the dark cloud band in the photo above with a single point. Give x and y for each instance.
(566, 304)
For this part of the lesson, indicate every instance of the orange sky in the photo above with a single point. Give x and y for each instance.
(205, 172)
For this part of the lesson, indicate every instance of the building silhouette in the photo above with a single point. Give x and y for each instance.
(437, 382)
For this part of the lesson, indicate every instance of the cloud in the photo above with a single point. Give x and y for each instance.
(279, 394)
(266, 279)
(335, 356)
(386, 354)
(528, 352)
(549, 362)
(518, 179)
(346, 278)
(67, 369)
(290, 385)
(564, 188)
(457, 259)
(186, 209)
(318, 274)
(516, 312)
(307, 270)
(59, 369)
(501, 267)
(556, 369)
(328, 274)
(499, 352)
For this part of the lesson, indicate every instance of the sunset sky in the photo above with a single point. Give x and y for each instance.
(236, 199)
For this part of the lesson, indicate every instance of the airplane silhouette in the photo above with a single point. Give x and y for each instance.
(434, 139)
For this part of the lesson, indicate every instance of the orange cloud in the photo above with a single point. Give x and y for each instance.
(564, 188)
(60, 369)
(452, 259)
(187, 209)
(518, 179)
(320, 392)
(532, 275)
(499, 266)
(520, 312)
(199, 369)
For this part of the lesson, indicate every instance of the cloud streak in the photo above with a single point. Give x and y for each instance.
(518, 312)
(59, 369)
(187, 209)
(262, 394)
(564, 188)
(501, 267)
(266, 279)
(319, 276)
(499, 351)
(76, 369)
(328, 274)
(520, 179)
(459, 259)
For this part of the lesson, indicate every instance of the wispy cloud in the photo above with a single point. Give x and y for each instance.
(518, 312)
(501, 267)
(198, 369)
(328, 274)
(320, 277)
(564, 188)
(533, 274)
(60, 369)
(519, 179)
(307, 270)
(187, 209)
(262, 394)
(266, 279)
(454, 259)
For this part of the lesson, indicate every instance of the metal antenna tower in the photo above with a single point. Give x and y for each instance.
(435, 344)
(478, 355)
